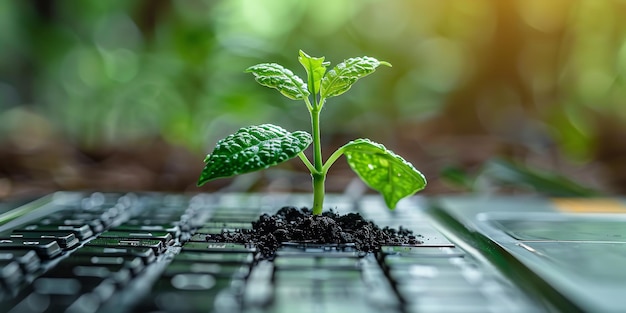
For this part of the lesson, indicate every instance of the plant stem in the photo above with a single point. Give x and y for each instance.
(306, 162)
(318, 177)
(317, 147)
(333, 157)
(318, 193)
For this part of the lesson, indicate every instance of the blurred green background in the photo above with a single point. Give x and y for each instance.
(130, 95)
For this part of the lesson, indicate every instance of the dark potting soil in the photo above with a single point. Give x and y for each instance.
(291, 224)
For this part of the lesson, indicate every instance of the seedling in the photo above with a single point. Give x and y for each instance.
(255, 148)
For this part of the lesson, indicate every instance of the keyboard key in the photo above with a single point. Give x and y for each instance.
(119, 273)
(10, 274)
(172, 223)
(51, 294)
(224, 224)
(339, 262)
(66, 240)
(297, 260)
(27, 259)
(134, 264)
(199, 238)
(294, 262)
(81, 232)
(412, 291)
(471, 302)
(147, 255)
(106, 219)
(393, 261)
(233, 257)
(316, 275)
(191, 282)
(259, 289)
(173, 229)
(213, 230)
(155, 245)
(338, 291)
(45, 248)
(96, 225)
(215, 269)
(111, 213)
(163, 236)
(69, 218)
(317, 253)
(423, 251)
(242, 217)
(436, 275)
(65, 286)
(187, 293)
(299, 247)
(217, 247)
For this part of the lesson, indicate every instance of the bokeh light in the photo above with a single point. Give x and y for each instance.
(145, 88)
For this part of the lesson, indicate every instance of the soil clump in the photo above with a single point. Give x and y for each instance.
(291, 224)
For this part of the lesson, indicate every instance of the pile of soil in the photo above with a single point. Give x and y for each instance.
(291, 224)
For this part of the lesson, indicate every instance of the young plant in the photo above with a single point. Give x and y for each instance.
(259, 147)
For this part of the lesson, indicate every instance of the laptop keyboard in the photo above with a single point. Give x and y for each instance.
(148, 253)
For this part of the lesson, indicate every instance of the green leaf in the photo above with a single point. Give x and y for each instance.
(315, 69)
(383, 170)
(276, 76)
(345, 74)
(251, 149)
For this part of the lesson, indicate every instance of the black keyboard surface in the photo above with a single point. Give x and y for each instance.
(75, 252)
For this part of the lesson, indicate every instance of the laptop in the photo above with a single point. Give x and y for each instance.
(148, 252)
(569, 251)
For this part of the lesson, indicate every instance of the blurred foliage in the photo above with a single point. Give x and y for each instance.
(537, 78)
(498, 174)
